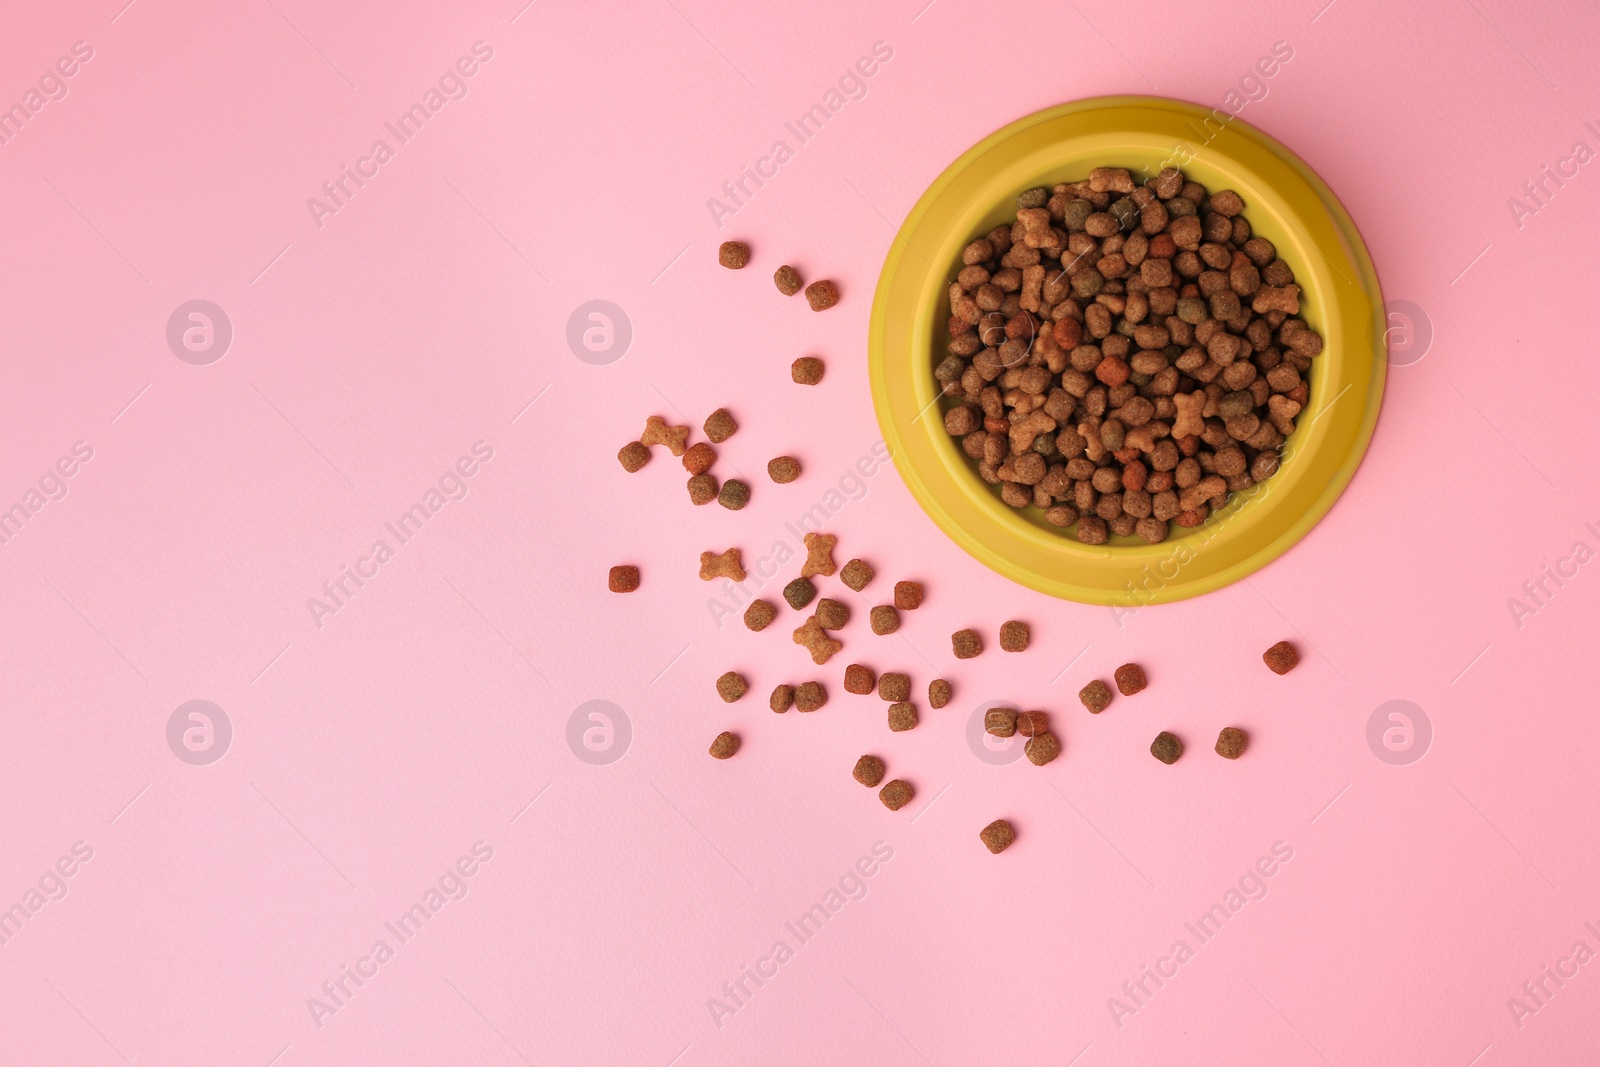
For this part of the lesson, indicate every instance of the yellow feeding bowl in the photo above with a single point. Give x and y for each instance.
(1284, 202)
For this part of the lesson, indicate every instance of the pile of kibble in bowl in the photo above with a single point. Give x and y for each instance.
(1124, 356)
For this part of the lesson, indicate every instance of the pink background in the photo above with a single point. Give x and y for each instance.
(428, 313)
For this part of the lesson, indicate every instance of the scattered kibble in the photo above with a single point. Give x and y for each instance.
(1096, 696)
(966, 644)
(902, 716)
(832, 614)
(816, 641)
(799, 593)
(938, 693)
(720, 426)
(997, 836)
(908, 595)
(809, 696)
(725, 745)
(894, 686)
(1042, 748)
(807, 370)
(702, 489)
(1001, 722)
(723, 565)
(896, 795)
(859, 679)
(1014, 636)
(1166, 747)
(633, 455)
(759, 615)
(1130, 679)
(783, 470)
(869, 771)
(733, 254)
(819, 555)
(782, 698)
(657, 432)
(624, 579)
(856, 574)
(885, 619)
(734, 494)
(1032, 723)
(787, 279)
(1281, 658)
(699, 458)
(731, 686)
(822, 295)
(1231, 742)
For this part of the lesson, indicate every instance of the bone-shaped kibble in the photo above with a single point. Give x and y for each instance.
(1189, 420)
(819, 555)
(657, 432)
(816, 640)
(726, 565)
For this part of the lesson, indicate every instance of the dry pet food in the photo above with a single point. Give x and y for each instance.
(859, 679)
(632, 456)
(894, 686)
(759, 615)
(1032, 723)
(731, 686)
(966, 644)
(1281, 658)
(725, 745)
(896, 795)
(733, 254)
(816, 640)
(725, 565)
(809, 696)
(1014, 636)
(822, 295)
(799, 593)
(869, 771)
(856, 574)
(720, 426)
(702, 489)
(885, 620)
(782, 699)
(832, 614)
(1166, 747)
(902, 716)
(819, 555)
(1130, 679)
(783, 470)
(1125, 355)
(699, 458)
(908, 595)
(938, 693)
(734, 494)
(1042, 748)
(787, 279)
(997, 836)
(1231, 742)
(623, 579)
(1096, 696)
(657, 432)
(1001, 722)
(807, 370)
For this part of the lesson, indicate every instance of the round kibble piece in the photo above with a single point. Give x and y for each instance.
(902, 716)
(1042, 748)
(734, 494)
(938, 693)
(759, 615)
(859, 680)
(831, 614)
(633, 455)
(624, 579)
(1013, 636)
(908, 595)
(733, 254)
(699, 458)
(1096, 696)
(896, 795)
(1166, 747)
(783, 470)
(1130, 679)
(822, 295)
(997, 836)
(731, 686)
(869, 771)
(885, 619)
(720, 426)
(1002, 722)
(799, 593)
(787, 279)
(807, 370)
(809, 696)
(725, 745)
(1032, 723)
(1231, 742)
(1281, 658)
(966, 644)
(856, 574)
(702, 489)
(894, 686)
(782, 699)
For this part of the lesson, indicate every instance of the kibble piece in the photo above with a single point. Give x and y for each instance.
(1002, 722)
(724, 565)
(938, 693)
(1130, 679)
(787, 279)
(783, 470)
(856, 574)
(896, 795)
(807, 370)
(869, 771)
(632, 456)
(894, 686)
(908, 595)
(702, 489)
(997, 836)
(1281, 658)
(759, 615)
(885, 620)
(699, 458)
(1166, 748)
(1231, 742)
(799, 593)
(902, 716)
(819, 555)
(1096, 696)
(832, 614)
(809, 696)
(1042, 748)
(733, 254)
(720, 426)
(859, 679)
(725, 745)
(624, 579)
(1032, 723)
(731, 686)
(657, 432)
(734, 494)
(816, 641)
(1013, 636)
(822, 295)
(966, 644)
(782, 699)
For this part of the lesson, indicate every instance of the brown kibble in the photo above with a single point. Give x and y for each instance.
(787, 279)
(907, 595)
(966, 644)
(1014, 636)
(896, 795)
(856, 574)
(819, 555)
(816, 641)
(1166, 748)
(997, 836)
(783, 470)
(1001, 722)
(822, 295)
(734, 494)
(731, 686)
(869, 771)
(832, 614)
(725, 745)
(938, 693)
(902, 716)
(720, 426)
(809, 696)
(725, 565)
(1281, 658)
(1032, 723)
(858, 679)
(1096, 696)
(1130, 679)
(885, 619)
(1231, 742)
(699, 458)
(894, 686)
(799, 593)
(632, 456)
(702, 489)
(624, 579)
(759, 615)
(657, 432)
(782, 699)
(807, 370)
(1042, 748)
(733, 254)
